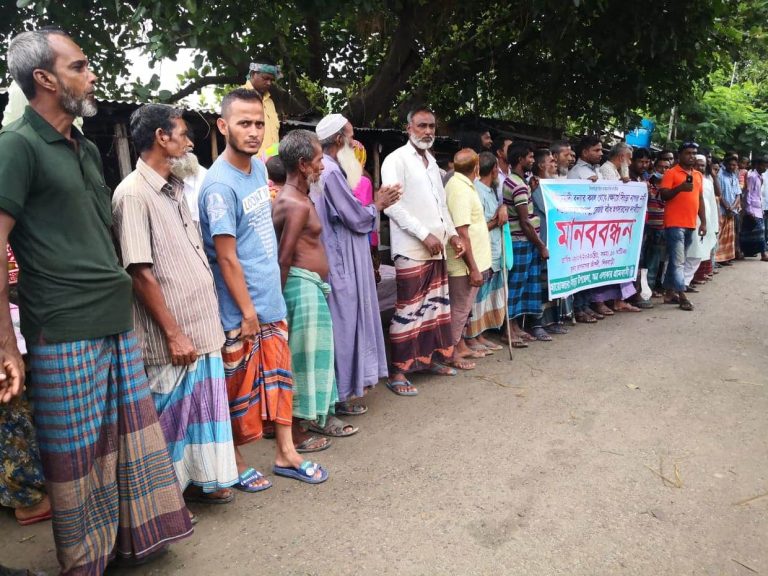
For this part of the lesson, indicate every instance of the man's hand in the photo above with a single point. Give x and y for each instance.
(593, 178)
(502, 215)
(432, 244)
(182, 350)
(388, 195)
(249, 327)
(11, 375)
(475, 278)
(685, 187)
(458, 246)
(544, 252)
(625, 179)
(703, 230)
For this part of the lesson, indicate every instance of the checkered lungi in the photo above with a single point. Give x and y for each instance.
(525, 289)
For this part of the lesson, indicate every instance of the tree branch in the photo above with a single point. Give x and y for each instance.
(199, 83)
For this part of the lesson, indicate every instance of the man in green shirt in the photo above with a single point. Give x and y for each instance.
(93, 410)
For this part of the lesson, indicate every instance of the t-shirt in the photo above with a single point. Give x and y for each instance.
(467, 210)
(682, 210)
(233, 203)
(72, 286)
(517, 193)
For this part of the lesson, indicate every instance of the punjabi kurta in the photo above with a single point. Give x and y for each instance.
(359, 340)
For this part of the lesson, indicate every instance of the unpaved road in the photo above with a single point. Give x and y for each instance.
(548, 464)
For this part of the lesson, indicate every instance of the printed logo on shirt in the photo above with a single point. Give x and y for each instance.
(216, 207)
(256, 199)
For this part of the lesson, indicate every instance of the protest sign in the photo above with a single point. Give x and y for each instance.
(594, 233)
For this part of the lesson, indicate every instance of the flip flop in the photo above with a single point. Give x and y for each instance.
(349, 409)
(686, 305)
(395, 384)
(205, 498)
(441, 369)
(540, 334)
(42, 517)
(304, 473)
(247, 477)
(480, 349)
(517, 343)
(463, 364)
(333, 427)
(493, 347)
(584, 318)
(304, 447)
(556, 329)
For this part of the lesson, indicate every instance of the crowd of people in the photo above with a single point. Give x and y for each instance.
(167, 329)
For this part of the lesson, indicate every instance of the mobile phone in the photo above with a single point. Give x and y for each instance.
(689, 179)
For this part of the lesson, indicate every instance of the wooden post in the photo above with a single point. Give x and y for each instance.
(123, 151)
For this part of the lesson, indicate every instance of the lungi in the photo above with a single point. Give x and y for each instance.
(524, 280)
(21, 474)
(111, 483)
(310, 338)
(421, 325)
(463, 295)
(726, 245)
(489, 307)
(752, 237)
(192, 405)
(613, 292)
(259, 380)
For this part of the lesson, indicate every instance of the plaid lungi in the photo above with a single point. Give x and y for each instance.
(752, 235)
(726, 242)
(192, 405)
(421, 326)
(113, 489)
(489, 307)
(310, 338)
(259, 381)
(525, 280)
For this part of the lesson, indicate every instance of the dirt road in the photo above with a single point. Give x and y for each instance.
(549, 464)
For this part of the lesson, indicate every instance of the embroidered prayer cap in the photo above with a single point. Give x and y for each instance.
(330, 125)
(260, 68)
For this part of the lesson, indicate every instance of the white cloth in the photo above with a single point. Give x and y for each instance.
(330, 125)
(583, 171)
(690, 267)
(701, 248)
(192, 186)
(608, 171)
(421, 209)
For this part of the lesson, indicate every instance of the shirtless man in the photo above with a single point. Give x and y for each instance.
(304, 274)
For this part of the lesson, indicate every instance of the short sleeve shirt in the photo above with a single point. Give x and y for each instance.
(682, 210)
(517, 193)
(71, 285)
(467, 210)
(233, 203)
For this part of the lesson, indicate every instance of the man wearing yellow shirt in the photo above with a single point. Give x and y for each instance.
(465, 274)
(261, 77)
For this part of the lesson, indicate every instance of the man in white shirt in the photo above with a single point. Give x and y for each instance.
(420, 227)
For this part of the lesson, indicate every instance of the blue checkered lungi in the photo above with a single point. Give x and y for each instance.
(525, 286)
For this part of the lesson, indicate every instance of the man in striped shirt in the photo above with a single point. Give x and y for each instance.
(176, 311)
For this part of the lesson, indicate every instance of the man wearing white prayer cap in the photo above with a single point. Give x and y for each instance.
(261, 76)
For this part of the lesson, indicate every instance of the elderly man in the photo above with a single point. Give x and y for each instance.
(112, 486)
(561, 151)
(465, 274)
(240, 242)
(360, 353)
(261, 76)
(161, 249)
(420, 226)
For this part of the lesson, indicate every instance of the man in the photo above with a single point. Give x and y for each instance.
(360, 352)
(700, 252)
(653, 248)
(682, 190)
(764, 192)
(730, 203)
(561, 151)
(589, 151)
(489, 307)
(188, 170)
(465, 275)
(752, 238)
(112, 486)
(528, 249)
(240, 242)
(303, 275)
(499, 149)
(616, 167)
(420, 226)
(175, 310)
(261, 77)
(667, 155)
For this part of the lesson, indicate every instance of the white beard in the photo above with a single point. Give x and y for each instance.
(184, 166)
(423, 144)
(350, 165)
(78, 107)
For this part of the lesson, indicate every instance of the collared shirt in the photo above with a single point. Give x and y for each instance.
(489, 200)
(518, 193)
(729, 186)
(422, 209)
(753, 199)
(192, 185)
(271, 120)
(583, 171)
(467, 210)
(153, 225)
(608, 171)
(71, 286)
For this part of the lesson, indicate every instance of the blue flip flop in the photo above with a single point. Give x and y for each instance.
(248, 476)
(394, 384)
(304, 473)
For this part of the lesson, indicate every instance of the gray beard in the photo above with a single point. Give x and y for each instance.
(184, 166)
(422, 145)
(562, 170)
(78, 107)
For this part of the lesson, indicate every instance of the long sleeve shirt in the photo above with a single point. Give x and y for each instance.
(753, 199)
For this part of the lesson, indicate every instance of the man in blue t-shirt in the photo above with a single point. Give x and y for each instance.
(239, 240)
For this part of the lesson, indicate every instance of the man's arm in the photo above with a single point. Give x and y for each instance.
(392, 172)
(12, 373)
(234, 278)
(702, 214)
(290, 221)
(348, 209)
(475, 276)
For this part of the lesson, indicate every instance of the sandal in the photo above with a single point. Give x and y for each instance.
(585, 318)
(350, 409)
(518, 343)
(540, 334)
(199, 497)
(441, 369)
(333, 427)
(672, 299)
(247, 481)
(525, 337)
(304, 473)
(627, 308)
(556, 329)
(600, 309)
(463, 364)
(492, 346)
(306, 447)
(398, 387)
(686, 305)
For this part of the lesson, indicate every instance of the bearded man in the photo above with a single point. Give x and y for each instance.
(420, 227)
(187, 168)
(175, 310)
(346, 224)
(112, 486)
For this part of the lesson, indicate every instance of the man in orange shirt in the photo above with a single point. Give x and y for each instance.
(682, 190)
